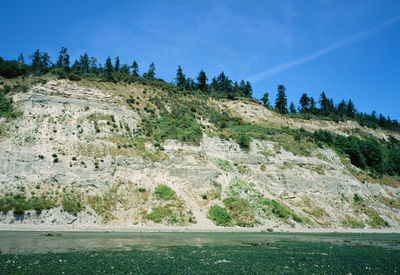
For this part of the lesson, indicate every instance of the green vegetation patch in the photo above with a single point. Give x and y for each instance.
(219, 215)
(185, 129)
(164, 192)
(158, 214)
(6, 108)
(246, 205)
(20, 203)
(72, 203)
(280, 254)
(348, 222)
(225, 165)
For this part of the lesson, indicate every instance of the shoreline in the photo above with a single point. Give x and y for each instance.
(169, 229)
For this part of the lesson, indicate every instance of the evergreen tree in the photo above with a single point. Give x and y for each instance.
(312, 105)
(202, 81)
(292, 108)
(265, 99)
(150, 74)
(108, 70)
(373, 115)
(350, 109)
(46, 62)
(40, 62)
(84, 63)
(381, 121)
(63, 59)
(342, 107)
(36, 62)
(225, 85)
(281, 100)
(125, 69)
(324, 103)
(76, 66)
(180, 79)
(214, 85)
(135, 68)
(116, 67)
(248, 92)
(304, 103)
(93, 64)
(236, 91)
(189, 84)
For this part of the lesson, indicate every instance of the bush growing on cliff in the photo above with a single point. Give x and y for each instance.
(185, 129)
(6, 108)
(219, 215)
(164, 192)
(19, 203)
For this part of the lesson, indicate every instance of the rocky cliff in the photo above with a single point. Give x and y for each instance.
(92, 152)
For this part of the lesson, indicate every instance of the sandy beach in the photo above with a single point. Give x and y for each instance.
(160, 228)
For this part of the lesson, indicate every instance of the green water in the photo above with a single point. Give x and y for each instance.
(199, 253)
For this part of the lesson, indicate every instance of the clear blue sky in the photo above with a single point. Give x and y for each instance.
(349, 49)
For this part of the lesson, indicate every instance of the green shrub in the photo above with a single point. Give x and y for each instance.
(184, 129)
(357, 199)
(72, 204)
(11, 68)
(282, 211)
(60, 73)
(219, 215)
(241, 211)
(244, 141)
(6, 108)
(20, 203)
(163, 192)
(158, 214)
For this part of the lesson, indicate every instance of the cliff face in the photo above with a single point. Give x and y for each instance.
(76, 154)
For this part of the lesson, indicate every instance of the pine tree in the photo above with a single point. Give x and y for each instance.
(248, 90)
(281, 100)
(189, 84)
(150, 74)
(180, 78)
(85, 63)
(116, 67)
(312, 106)
(125, 69)
(108, 70)
(93, 64)
(265, 99)
(76, 66)
(304, 103)
(341, 108)
(40, 62)
(202, 81)
(214, 85)
(292, 108)
(350, 110)
(135, 68)
(46, 62)
(324, 103)
(224, 84)
(63, 59)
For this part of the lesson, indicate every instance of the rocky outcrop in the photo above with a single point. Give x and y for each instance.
(80, 142)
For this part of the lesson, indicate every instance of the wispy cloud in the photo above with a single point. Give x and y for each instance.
(360, 36)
